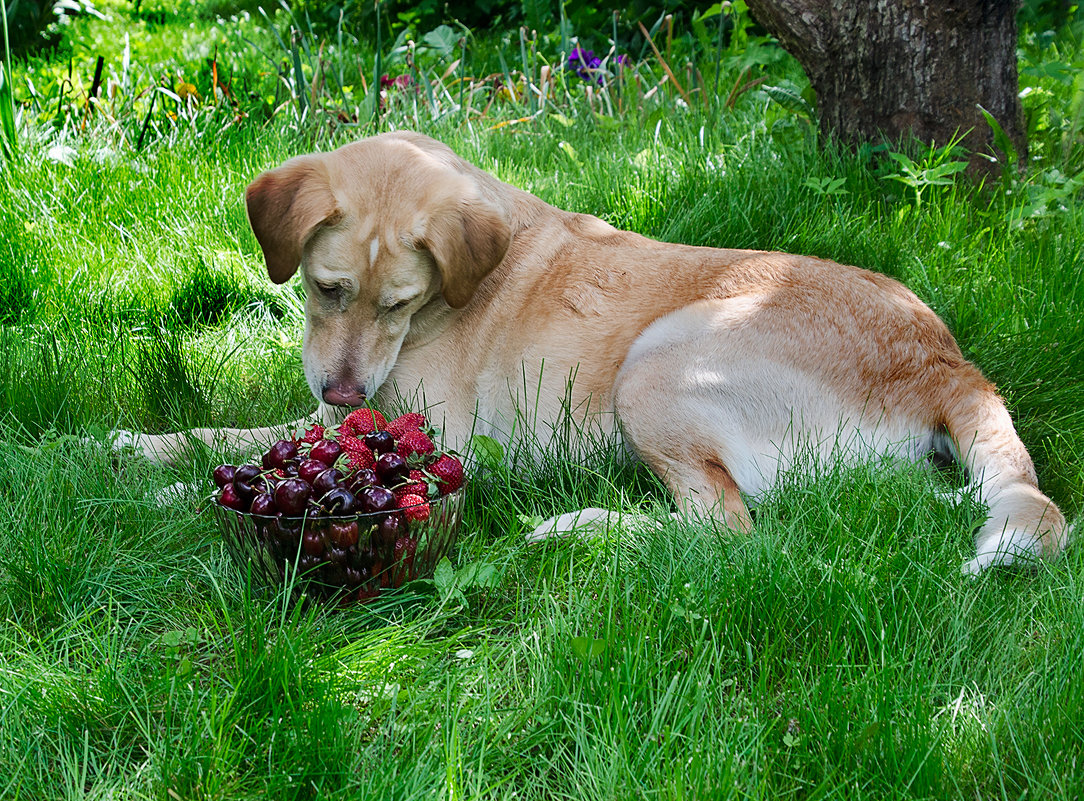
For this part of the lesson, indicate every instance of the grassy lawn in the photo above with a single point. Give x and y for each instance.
(834, 652)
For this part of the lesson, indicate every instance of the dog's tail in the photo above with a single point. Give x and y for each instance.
(1022, 521)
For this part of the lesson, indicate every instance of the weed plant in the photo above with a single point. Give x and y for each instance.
(833, 652)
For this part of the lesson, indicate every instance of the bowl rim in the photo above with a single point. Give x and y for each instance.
(456, 495)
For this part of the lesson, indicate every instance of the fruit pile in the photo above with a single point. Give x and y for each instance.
(360, 506)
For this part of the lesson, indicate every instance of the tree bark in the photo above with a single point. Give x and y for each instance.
(897, 67)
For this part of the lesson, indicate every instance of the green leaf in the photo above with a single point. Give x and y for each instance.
(1001, 139)
(444, 576)
(586, 648)
(827, 186)
(790, 99)
(570, 151)
(184, 668)
(479, 575)
(537, 14)
(488, 450)
(442, 39)
(1055, 70)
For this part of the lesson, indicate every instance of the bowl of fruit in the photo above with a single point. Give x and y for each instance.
(344, 512)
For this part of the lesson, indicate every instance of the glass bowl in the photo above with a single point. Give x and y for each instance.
(343, 558)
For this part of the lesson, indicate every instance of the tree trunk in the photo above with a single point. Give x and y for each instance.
(896, 67)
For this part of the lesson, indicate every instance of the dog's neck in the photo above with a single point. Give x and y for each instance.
(522, 209)
(428, 323)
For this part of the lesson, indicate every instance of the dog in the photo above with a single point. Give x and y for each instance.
(715, 367)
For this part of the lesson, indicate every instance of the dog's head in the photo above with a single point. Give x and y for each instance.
(387, 231)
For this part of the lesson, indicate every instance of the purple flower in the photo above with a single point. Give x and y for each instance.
(578, 56)
(398, 82)
(588, 66)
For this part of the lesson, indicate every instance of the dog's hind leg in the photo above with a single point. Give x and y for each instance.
(696, 472)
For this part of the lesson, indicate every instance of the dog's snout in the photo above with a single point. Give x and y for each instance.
(344, 395)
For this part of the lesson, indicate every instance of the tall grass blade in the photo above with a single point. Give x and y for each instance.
(7, 114)
(299, 77)
(7, 95)
(374, 92)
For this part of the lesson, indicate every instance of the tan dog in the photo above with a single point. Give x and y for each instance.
(717, 367)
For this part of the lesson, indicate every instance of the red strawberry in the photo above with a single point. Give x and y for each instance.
(358, 454)
(416, 485)
(414, 507)
(414, 442)
(449, 473)
(314, 434)
(407, 422)
(361, 422)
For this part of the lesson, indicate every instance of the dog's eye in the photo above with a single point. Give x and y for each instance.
(397, 306)
(329, 290)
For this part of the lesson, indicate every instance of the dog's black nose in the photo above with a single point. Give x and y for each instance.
(344, 395)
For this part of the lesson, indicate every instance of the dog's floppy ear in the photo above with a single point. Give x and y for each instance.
(467, 239)
(285, 207)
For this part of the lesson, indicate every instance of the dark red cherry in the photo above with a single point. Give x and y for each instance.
(388, 531)
(280, 454)
(286, 533)
(309, 469)
(326, 481)
(376, 499)
(263, 505)
(327, 451)
(263, 485)
(229, 498)
(380, 441)
(338, 501)
(312, 543)
(243, 477)
(246, 472)
(392, 468)
(223, 475)
(292, 495)
(343, 534)
(360, 479)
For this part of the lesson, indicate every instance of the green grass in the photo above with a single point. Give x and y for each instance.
(834, 652)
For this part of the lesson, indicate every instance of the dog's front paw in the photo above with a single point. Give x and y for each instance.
(585, 521)
(121, 442)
